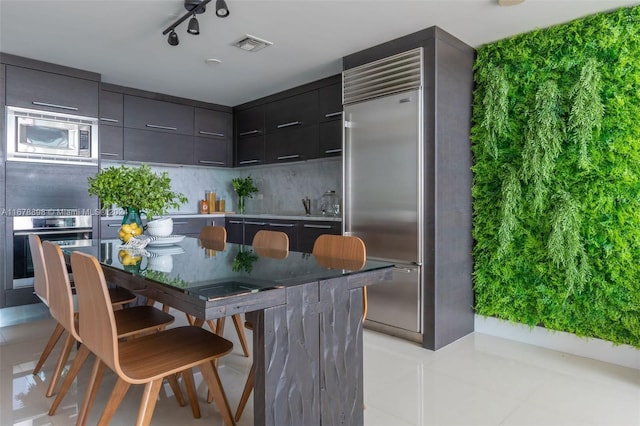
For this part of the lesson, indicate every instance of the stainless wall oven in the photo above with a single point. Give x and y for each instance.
(49, 225)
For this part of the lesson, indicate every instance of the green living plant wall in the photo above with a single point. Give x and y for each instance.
(556, 144)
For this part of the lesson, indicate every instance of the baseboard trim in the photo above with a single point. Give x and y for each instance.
(602, 350)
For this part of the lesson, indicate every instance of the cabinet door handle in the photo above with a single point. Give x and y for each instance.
(249, 162)
(289, 124)
(204, 132)
(114, 225)
(282, 225)
(317, 226)
(109, 154)
(255, 223)
(235, 222)
(221, 163)
(332, 151)
(288, 157)
(45, 104)
(157, 126)
(180, 223)
(250, 132)
(333, 114)
(110, 120)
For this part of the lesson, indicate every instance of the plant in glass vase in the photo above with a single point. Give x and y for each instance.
(138, 190)
(244, 187)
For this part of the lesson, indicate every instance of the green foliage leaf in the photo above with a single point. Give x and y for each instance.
(136, 187)
(587, 110)
(244, 187)
(568, 262)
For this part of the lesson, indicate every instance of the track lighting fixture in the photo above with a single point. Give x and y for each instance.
(194, 7)
(222, 11)
(194, 27)
(173, 38)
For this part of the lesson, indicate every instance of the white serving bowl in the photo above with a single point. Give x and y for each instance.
(160, 227)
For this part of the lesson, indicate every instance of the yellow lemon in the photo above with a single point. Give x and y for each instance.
(126, 228)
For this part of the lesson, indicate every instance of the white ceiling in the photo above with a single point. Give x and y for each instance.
(123, 41)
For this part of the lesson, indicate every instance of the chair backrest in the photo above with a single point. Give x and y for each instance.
(274, 240)
(213, 233)
(40, 280)
(60, 295)
(213, 238)
(98, 328)
(340, 251)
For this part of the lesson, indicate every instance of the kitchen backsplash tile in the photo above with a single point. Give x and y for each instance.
(281, 187)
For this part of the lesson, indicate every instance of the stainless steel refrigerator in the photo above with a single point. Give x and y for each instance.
(383, 202)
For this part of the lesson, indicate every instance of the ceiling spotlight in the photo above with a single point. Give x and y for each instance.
(173, 38)
(194, 27)
(222, 11)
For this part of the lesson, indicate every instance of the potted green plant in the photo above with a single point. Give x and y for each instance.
(244, 187)
(137, 190)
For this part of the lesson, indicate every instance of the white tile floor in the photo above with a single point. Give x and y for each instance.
(478, 380)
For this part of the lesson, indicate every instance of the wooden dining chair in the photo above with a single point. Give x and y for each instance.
(342, 252)
(274, 244)
(147, 359)
(130, 322)
(118, 296)
(215, 237)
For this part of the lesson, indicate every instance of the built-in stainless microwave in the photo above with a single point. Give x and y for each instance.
(46, 137)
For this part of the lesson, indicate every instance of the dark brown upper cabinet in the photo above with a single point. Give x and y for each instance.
(330, 99)
(295, 144)
(29, 88)
(111, 108)
(158, 116)
(250, 136)
(213, 138)
(250, 122)
(294, 111)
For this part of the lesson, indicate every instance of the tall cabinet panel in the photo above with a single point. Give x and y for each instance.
(446, 294)
(111, 116)
(2, 183)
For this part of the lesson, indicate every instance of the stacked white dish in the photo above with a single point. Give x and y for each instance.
(162, 227)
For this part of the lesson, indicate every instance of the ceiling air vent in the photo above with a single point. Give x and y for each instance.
(251, 43)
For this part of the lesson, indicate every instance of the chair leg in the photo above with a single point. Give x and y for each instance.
(248, 387)
(55, 336)
(220, 326)
(117, 395)
(79, 360)
(62, 360)
(365, 303)
(187, 375)
(212, 326)
(148, 403)
(92, 390)
(237, 322)
(175, 387)
(210, 375)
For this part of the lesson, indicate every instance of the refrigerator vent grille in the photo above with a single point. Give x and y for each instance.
(383, 77)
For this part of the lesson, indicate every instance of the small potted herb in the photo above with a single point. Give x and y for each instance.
(244, 187)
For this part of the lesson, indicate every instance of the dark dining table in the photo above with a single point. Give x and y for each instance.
(306, 314)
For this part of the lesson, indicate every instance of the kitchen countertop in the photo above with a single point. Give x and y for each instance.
(285, 216)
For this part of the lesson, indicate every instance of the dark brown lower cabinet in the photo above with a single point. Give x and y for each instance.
(308, 232)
